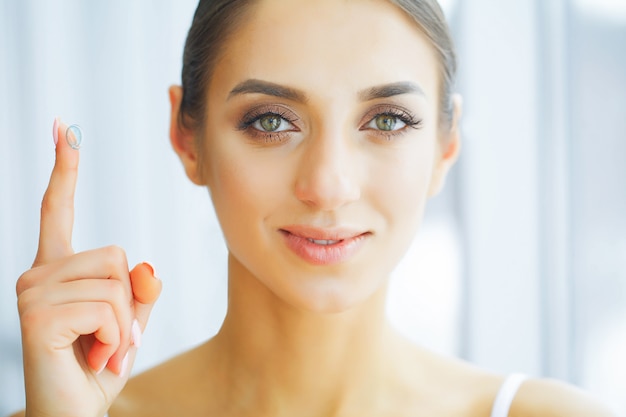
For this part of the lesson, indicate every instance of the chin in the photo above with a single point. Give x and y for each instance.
(333, 296)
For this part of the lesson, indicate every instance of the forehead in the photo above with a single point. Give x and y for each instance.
(324, 45)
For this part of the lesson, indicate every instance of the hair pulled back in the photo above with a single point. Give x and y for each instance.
(216, 20)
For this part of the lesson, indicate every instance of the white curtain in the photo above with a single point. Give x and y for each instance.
(543, 189)
(105, 65)
(519, 265)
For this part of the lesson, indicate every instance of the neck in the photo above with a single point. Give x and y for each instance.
(279, 357)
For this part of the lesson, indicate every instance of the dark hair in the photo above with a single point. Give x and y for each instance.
(215, 21)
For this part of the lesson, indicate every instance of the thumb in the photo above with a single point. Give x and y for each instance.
(146, 289)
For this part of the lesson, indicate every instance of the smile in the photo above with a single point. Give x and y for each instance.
(323, 242)
(318, 246)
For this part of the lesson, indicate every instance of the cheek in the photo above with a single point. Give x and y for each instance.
(399, 197)
(401, 182)
(244, 189)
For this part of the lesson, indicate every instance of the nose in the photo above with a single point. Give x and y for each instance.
(328, 173)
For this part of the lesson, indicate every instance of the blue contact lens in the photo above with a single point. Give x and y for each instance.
(74, 136)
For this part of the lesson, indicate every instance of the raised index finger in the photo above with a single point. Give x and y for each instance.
(57, 207)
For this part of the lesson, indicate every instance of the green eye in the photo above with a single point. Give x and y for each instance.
(270, 122)
(386, 122)
(390, 121)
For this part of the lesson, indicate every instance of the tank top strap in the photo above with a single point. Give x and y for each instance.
(506, 394)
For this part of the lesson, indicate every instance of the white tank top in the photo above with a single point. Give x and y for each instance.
(506, 394)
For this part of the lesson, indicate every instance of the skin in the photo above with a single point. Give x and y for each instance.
(303, 339)
(77, 310)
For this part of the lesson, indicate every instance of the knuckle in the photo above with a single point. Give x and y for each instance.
(115, 256)
(105, 311)
(32, 319)
(109, 326)
(51, 203)
(31, 300)
(24, 282)
(121, 304)
(47, 203)
(117, 291)
(108, 313)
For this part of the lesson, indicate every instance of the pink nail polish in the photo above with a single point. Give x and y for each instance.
(101, 369)
(136, 333)
(55, 131)
(124, 365)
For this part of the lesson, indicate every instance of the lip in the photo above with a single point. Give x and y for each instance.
(337, 244)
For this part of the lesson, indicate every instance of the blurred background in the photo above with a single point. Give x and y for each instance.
(520, 265)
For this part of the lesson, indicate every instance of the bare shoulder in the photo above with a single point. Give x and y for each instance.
(473, 391)
(162, 390)
(552, 398)
(468, 390)
(18, 414)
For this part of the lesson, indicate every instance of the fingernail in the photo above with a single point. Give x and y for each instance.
(152, 269)
(124, 365)
(55, 131)
(99, 371)
(136, 333)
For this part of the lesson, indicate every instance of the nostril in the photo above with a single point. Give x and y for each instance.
(327, 191)
(327, 175)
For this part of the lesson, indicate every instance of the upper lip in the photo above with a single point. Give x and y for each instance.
(325, 233)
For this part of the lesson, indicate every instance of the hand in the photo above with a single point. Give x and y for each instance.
(81, 314)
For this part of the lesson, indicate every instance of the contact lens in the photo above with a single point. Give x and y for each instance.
(74, 136)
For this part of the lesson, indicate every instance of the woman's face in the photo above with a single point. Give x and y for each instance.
(321, 146)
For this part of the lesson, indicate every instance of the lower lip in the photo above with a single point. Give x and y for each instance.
(324, 254)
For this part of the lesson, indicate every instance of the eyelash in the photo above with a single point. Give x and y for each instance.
(257, 113)
(402, 114)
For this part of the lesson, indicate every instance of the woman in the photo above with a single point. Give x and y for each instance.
(320, 129)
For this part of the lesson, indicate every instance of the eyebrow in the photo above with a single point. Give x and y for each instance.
(389, 90)
(254, 86)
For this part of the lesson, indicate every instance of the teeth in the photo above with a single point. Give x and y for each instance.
(323, 242)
